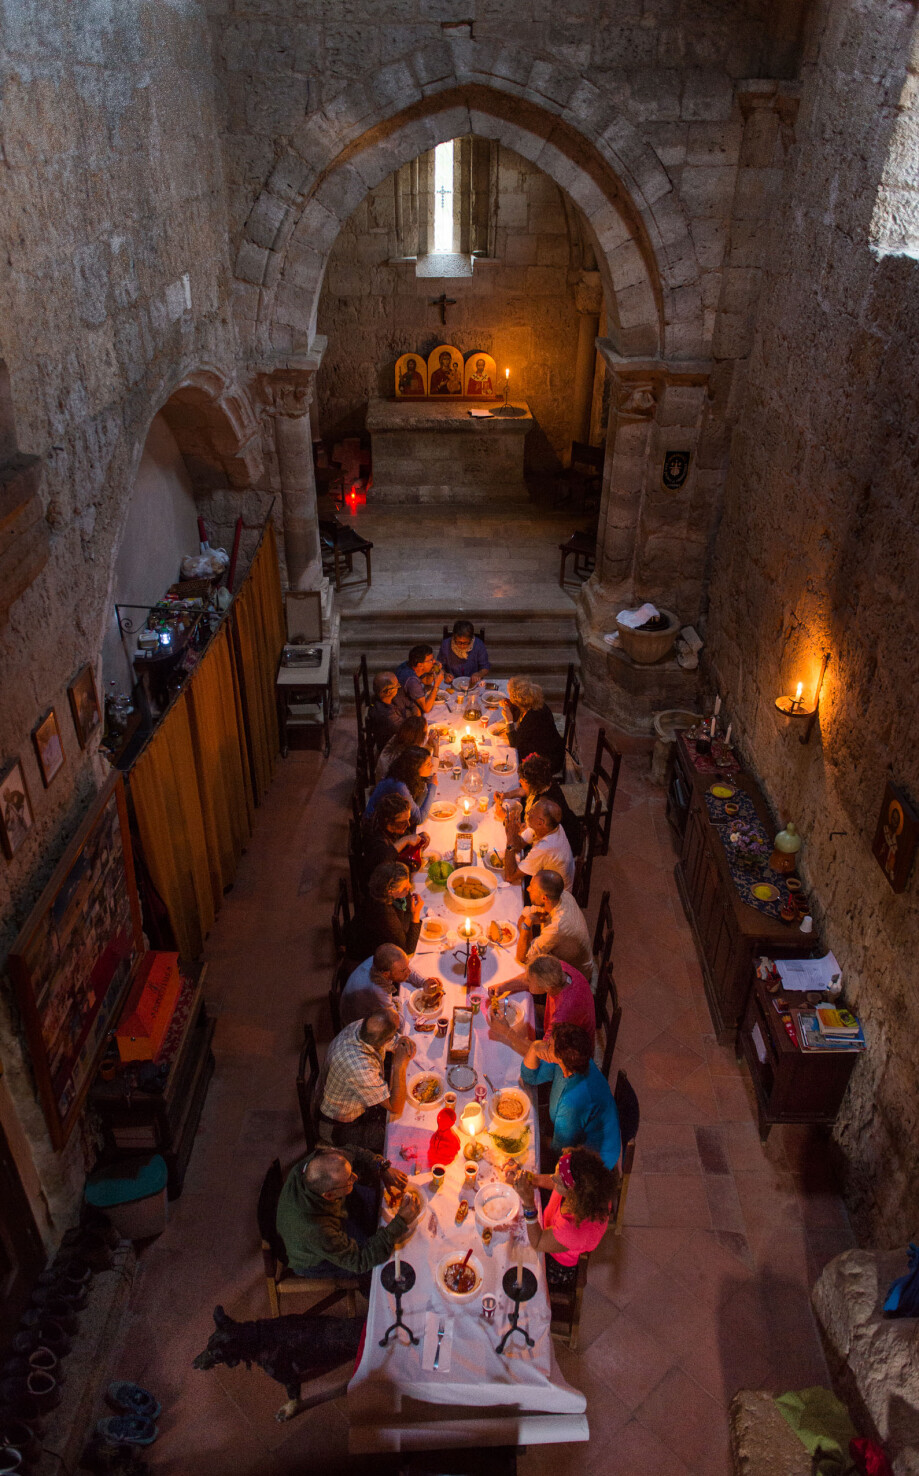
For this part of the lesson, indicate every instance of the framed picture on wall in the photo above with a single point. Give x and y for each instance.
(74, 959)
(896, 837)
(84, 704)
(16, 814)
(48, 747)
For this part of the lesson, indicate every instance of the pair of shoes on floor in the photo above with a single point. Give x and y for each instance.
(134, 1420)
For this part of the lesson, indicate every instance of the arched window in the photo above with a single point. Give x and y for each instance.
(446, 205)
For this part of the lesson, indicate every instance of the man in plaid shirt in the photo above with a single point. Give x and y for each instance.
(356, 1098)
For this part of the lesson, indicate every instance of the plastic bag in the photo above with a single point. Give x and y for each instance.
(205, 565)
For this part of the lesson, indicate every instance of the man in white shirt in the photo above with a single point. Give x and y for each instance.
(374, 984)
(563, 926)
(549, 846)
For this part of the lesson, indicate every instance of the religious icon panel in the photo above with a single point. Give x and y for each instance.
(481, 377)
(445, 371)
(411, 377)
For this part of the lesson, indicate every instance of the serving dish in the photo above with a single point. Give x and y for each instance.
(477, 878)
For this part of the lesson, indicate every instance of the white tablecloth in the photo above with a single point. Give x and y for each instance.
(523, 1382)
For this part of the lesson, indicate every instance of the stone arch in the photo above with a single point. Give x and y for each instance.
(216, 430)
(547, 113)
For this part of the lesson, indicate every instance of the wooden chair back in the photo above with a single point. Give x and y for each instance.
(584, 862)
(307, 1081)
(358, 799)
(364, 679)
(629, 1119)
(571, 713)
(569, 682)
(356, 860)
(609, 1013)
(604, 932)
(280, 1283)
(339, 980)
(565, 1304)
(607, 763)
(341, 919)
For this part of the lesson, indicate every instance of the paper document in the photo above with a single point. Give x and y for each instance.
(759, 1045)
(479, 414)
(808, 973)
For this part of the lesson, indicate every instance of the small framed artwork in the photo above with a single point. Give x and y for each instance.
(84, 704)
(16, 814)
(411, 377)
(896, 837)
(49, 748)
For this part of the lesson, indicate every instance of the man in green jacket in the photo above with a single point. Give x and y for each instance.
(325, 1217)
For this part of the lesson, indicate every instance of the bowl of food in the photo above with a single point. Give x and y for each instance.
(458, 1282)
(426, 1090)
(434, 930)
(493, 700)
(471, 888)
(442, 810)
(499, 729)
(503, 763)
(497, 1206)
(509, 1108)
(427, 1000)
(494, 860)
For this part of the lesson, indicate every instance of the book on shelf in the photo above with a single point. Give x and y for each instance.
(810, 1037)
(836, 1021)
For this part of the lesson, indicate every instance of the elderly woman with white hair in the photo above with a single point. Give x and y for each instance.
(530, 725)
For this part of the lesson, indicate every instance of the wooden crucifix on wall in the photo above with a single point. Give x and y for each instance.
(443, 302)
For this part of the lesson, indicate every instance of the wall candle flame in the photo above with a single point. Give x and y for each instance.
(507, 374)
(798, 693)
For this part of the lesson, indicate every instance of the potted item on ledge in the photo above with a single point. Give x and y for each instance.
(784, 857)
(647, 635)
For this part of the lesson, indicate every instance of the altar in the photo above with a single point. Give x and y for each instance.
(436, 451)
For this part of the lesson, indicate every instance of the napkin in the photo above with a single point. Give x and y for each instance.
(432, 1322)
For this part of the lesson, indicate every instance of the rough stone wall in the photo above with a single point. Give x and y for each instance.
(518, 306)
(818, 551)
(113, 286)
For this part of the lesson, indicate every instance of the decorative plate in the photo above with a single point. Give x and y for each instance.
(765, 892)
(462, 1078)
(442, 810)
(723, 791)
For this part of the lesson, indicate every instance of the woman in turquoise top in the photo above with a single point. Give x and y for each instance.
(581, 1104)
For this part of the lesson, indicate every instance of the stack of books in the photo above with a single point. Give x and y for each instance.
(829, 1028)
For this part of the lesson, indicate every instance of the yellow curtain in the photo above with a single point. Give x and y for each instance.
(221, 759)
(258, 636)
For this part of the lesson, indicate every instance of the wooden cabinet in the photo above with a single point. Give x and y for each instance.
(729, 935)
(791, 1085)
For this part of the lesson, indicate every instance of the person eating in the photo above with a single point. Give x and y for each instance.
(563, 930)
(391, 913)
(389, 708)
(462, 654)
(420, 693)
(412, 732)
(411, 776)
(582, 1108)
(542, 845)
(374, 985)
(530, 724)
(355, 1095)
(536, 783)
(583, 1191)
(568, 1001)
(327, 1213)
(390, 836)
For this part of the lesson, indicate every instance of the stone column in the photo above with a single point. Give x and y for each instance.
(588, 297)
(288, 397)
(652, 541)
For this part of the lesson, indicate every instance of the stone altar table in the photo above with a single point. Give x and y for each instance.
(435, 451)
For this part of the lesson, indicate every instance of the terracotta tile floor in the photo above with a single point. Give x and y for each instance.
(705, 1292)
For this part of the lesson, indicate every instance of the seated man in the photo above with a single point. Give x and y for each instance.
(563, 927)
(355, 1097)
(462, 654)
(548, 845)
(420, 694)
(374, 985)
(581, 1106)
(327, 1220)
(389, 709)
(569, 1001)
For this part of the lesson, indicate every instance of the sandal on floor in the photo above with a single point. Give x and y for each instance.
(127, 1429)
(129, 1398)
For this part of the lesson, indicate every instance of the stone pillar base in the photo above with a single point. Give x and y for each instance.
(624, 693)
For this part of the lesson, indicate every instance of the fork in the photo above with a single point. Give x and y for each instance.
(440, 1337)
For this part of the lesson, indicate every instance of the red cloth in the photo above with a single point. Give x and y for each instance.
(869, 1458)
(574, 1006)
(577, 1238)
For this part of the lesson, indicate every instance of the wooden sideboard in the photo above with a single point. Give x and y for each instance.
(791, 1085)
(729, 935)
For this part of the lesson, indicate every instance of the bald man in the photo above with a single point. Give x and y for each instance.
(549, 849)
(355, 1096)
(375, 983)
(326, 1217)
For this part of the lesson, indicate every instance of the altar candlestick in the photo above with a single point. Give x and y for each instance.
(518, 1263)
(711, 731)
(507, 376)
(727, 736)
(798, 694)
(398, 1264)
(717, 706)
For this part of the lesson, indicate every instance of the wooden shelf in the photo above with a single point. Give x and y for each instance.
(791, 1085)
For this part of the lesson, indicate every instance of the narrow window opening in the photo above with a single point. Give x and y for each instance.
(443, 198)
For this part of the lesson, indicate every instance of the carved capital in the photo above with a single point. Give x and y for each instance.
(637, 400)
(288, 394)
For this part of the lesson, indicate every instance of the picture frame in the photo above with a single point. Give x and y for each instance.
(896, 837)
(84, 705)
(16, 814)
(74, 960)
(49, 748)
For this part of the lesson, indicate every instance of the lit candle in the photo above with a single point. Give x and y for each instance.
(398, 1264)
(717, 706)
(798, 693)
(469, 730)
(518, 1262)
(466, 806)
(507, 374)
(468, 928)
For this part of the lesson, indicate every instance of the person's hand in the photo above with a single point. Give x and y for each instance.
(417, 905)
(497, 1030)
(523, 1182)
(542, 1049)
(393, 1178)
(500, 812)
(411, 1207)
(403, 1050)
(432, 982)
(422, 835)
(438, 677)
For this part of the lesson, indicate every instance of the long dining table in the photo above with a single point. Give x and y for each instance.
(397, 1400)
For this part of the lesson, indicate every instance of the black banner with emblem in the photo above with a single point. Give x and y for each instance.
(675, 470)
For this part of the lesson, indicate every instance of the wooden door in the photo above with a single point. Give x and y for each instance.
(22, 1254)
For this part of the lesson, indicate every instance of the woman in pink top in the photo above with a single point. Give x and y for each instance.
(568, 996)
(576, 1217)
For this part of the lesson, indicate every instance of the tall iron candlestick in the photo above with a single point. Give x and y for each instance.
(518, 1291)
(398, 1285)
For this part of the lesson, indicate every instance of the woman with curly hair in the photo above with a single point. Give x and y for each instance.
(411, 775)
(536, 783)
(410, 734)
(575, 1219)
(391, 914)
(530, 725)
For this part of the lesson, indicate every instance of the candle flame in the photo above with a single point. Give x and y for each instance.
(468, 732)
(799, 691)
(466, 806)
(468, 928)
(507, 374)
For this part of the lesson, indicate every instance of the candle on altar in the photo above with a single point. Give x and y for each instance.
(717, 706)
(398, 1264)
(712, 728)
(727, 736)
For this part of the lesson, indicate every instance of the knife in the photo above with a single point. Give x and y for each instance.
(440, 1337)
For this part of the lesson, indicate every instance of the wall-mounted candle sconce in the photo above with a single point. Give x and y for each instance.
(797, 707)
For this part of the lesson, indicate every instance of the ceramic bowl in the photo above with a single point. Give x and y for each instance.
(471, 905)
(474, 1264)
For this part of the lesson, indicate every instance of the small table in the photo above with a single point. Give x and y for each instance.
(296, 686)
(791, 1085)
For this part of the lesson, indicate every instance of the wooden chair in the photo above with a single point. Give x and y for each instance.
(629, 1118)
(584, 863)
(565, 1304)
(338, 544)
(339, 980)
(604, 932)
(307, 1081)
(281, 1283)
(609, 1013)
(582, 547)
(607, 763)
(448, 630)
(359, 798)
(356, 860)
(341, 919)
(583, 478)
(365, 680)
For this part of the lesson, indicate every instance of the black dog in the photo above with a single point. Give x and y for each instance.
(291, 1350)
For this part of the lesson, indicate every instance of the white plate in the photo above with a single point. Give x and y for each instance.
(389, 1214)
(442, 810)
(438, 1100)
(503, 765)
(439, 934)
(423, 1012)
(499, 731)
(508, 934)
(514, 1013)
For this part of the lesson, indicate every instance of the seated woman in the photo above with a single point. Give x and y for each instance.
(390, 837)
(576, 1217)
(530, 725)
(411, 775)
(462, 654)
(581, 1105)
(391, 914)
(411, 734)
(536, 783)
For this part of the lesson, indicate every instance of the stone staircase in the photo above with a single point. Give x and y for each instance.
(521, 642)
